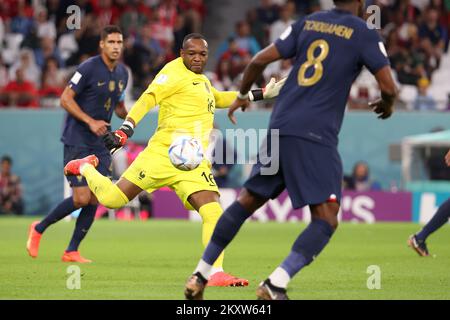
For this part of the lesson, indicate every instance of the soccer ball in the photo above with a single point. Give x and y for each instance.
(186, 153)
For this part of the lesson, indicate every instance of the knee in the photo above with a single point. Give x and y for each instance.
(327, 212)
(250, 201)
(81, 200)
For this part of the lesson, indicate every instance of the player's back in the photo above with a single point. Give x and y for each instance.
(329, 48)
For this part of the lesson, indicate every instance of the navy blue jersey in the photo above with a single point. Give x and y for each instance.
(98, 91)
(330, 48)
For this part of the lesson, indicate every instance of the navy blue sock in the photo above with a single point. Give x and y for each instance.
(439, 219)
(62, 210)
(308, 246)
(84, 222)
(227, 227)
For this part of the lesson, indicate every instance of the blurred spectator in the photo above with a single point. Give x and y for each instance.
(28, 64)
(286, 19)
(180, 30)
(47, 50)
(10, 189)
(145, 57)
(268, 12)
(67, 45)
(163, 22)
(235, 59)
(87, 37)
(257, 28)
(20, 92)
(45, 28)
(244, 40)
(424, 101)
(135, 17)
(53, 83)
(433, 37)
(305, 7)
(22, 22)
(409, 62)
(4, 77)
(105, 13)
(194, 11)
(360, 179)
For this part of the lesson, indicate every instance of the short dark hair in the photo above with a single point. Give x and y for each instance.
(192, 36)
(108, 30)
(7, 159)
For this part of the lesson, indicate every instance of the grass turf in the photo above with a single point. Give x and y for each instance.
(152, 260)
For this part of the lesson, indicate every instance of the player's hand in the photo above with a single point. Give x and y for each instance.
(114, 141)
(447, 158)
(238, 103)
(99, 127)
(382, 108)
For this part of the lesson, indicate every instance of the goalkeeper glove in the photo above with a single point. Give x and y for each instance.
(270, 91)
(117, 139)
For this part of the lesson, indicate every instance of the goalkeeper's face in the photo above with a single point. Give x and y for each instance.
(195, 55)
(112, 46)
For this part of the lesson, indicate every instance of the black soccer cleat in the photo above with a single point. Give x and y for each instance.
(267, 291)
(194, 287)
(418, 245)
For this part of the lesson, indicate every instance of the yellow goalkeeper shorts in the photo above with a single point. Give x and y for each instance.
(152, 170)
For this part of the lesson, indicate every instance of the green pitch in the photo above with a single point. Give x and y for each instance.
(152, 260)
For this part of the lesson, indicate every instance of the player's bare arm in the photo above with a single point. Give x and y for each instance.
(385, 106)
(251, 73)
(99, 127)
(121, 111)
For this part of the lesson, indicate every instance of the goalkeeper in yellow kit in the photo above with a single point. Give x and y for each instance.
(187, 102)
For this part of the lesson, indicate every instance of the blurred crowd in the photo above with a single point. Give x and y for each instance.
(39, 53)
(415, 33)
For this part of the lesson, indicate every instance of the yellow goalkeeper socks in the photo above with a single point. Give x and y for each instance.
(210, 214)
(107, 193)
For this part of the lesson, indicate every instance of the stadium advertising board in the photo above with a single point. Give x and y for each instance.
(365, 207)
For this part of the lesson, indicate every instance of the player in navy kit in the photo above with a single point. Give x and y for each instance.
(95, 91)
(417, 241)
(329, 49)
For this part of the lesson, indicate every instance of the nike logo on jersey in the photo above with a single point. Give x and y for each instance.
(195, 83)
(101, 83)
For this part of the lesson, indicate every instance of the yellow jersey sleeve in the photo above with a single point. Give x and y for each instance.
(141, 107)
(224, 99)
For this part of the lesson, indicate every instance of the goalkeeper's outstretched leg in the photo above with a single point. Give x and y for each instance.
(110, 195)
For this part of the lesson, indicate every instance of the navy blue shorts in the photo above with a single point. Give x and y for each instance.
(74, 152)
(311, 173)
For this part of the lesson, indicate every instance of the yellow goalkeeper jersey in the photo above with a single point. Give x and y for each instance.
(187, 102)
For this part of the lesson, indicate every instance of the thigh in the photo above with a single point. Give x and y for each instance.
(72, 153)
(264, 183)
(312, 172)
(187, 183)
(105, 164)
